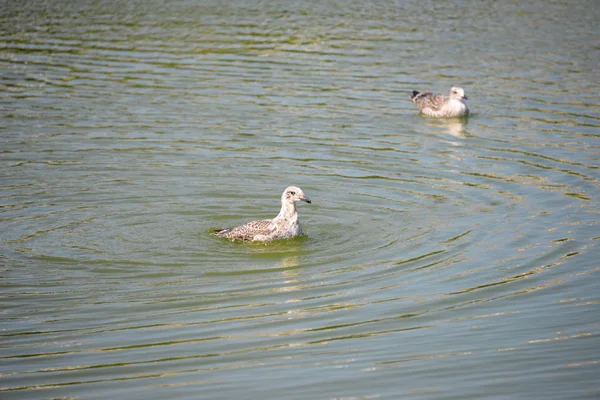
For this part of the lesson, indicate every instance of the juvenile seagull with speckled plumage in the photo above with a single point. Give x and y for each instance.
(438, 106)
(285, 225)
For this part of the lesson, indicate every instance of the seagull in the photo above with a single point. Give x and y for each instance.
(442, 106)
(284, 225)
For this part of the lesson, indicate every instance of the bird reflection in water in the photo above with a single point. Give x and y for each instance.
(451, 126)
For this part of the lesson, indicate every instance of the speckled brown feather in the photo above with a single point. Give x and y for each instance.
(249, 230)
(429, 100)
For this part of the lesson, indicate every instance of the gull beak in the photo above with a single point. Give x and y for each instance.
(306, 199)
(465, 97)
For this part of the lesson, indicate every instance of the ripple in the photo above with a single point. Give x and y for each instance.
(132, 132)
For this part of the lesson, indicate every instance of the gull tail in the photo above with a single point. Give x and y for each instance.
(220, 231)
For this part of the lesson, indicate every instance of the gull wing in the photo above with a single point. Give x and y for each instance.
(434, 102)
(248, 231)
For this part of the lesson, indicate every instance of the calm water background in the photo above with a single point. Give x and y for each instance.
(442, 259)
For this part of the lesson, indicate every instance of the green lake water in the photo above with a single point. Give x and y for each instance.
(442, 259)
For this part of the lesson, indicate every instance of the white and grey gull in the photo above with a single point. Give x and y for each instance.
(285, 225)
(438, 106)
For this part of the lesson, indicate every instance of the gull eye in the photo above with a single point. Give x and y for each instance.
(293, 193)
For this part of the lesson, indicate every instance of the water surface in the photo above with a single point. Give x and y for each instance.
(442, 259)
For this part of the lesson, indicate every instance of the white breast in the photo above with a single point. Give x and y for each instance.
(455, 108)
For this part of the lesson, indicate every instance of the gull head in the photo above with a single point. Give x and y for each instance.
(458, 93)
(293, 194)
